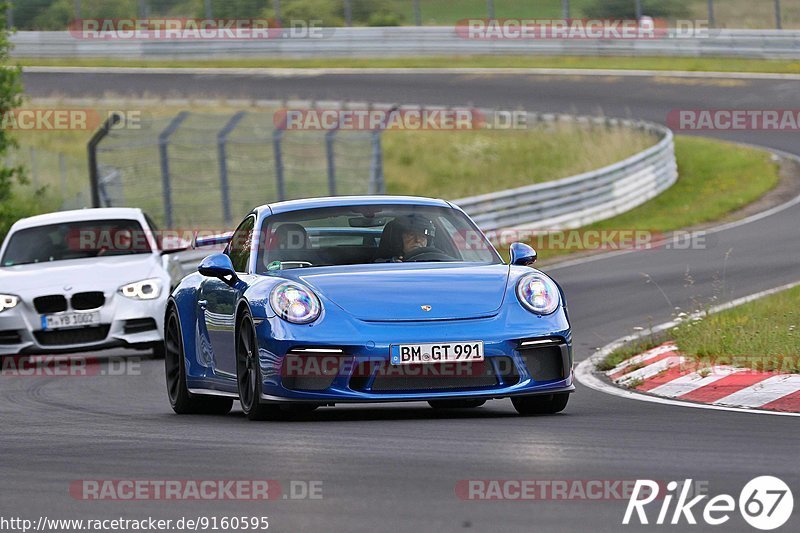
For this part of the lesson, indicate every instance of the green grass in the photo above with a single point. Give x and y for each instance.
(715, 179)
(465, 163)
(764, 334)
(629, 350)
(691, 64)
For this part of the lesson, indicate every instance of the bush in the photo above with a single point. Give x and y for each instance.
(330, 13)
(385, 18)
(626, 9)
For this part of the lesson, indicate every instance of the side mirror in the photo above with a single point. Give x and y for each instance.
(218, 266)
(522, 254)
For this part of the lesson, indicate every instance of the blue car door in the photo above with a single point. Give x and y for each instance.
(217, 301)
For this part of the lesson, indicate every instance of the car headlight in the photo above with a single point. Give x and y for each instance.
(7, 301)
(147, 289)
(294, 303)
(538, 293)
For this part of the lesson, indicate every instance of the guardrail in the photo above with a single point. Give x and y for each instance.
(580, 200)
(411, 41)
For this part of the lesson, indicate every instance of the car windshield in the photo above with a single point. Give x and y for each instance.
(75, 240)
(371, 234)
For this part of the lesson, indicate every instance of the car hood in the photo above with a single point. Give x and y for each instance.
(398, 292)
(106, 274)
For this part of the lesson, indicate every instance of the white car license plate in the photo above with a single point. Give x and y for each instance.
(437, 352)
(70, 320)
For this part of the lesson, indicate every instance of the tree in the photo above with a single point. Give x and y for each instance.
(10, 98)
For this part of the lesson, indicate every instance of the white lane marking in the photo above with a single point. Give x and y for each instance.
(585, 371)
(763, 392)
(652, 370)
(307, 72)
(690, 382)
(639, 359)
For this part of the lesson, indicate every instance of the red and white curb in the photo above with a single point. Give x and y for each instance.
(667, 377)
(664, 371)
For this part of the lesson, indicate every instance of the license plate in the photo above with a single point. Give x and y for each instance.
(436, 352)
(70, 320)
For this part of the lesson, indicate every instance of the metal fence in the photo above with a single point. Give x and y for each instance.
(413, 41)
(580, 200)
(201, 168)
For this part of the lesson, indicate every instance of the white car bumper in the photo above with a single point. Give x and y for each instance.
(124, 322)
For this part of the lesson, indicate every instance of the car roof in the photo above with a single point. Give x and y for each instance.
(78, 215)
(345, 201)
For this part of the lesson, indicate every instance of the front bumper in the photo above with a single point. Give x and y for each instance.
(124, 322)
(531, 360)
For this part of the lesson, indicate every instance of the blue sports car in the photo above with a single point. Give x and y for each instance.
(365, 299)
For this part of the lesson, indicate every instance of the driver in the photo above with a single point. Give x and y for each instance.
(416, 232)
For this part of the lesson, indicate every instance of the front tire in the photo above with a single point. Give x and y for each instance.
(456, 404)
(181, 400)
(541, 404)
(248, 373)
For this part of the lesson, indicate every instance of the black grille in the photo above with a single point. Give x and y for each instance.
(311, 371)
(59, 337)
(88, 300)
(507, 371)
(10, 336)
(54, 303)
(547, 363)
(138, 325)
(434, 376)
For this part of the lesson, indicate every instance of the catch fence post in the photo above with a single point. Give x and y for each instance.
(222, 139)
(163, 152)
(91, 148)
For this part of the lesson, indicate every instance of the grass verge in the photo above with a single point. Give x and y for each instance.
(690, 64)
(715, 178)
(763, 334)
(466, 163)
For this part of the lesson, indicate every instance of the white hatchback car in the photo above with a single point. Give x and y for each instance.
(84, 280)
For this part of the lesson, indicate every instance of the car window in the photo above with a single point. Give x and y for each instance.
(75, 240)
(240, 245)
(333, 236)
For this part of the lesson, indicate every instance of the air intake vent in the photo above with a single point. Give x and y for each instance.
(64, 337)
(547, 363)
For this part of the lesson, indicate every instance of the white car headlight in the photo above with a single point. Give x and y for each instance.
(7, 301)
(295, 303)
(147, 289)
(538, 293)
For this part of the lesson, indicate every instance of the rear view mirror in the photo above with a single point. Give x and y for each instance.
(522, 254)
(218, 266)
(367, 222)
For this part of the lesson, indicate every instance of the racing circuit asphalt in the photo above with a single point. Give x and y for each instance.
(395, 467)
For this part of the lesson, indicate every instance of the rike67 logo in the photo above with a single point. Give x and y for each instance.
(765, 503)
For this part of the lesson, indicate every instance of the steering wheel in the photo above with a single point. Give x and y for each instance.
(428, 254)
